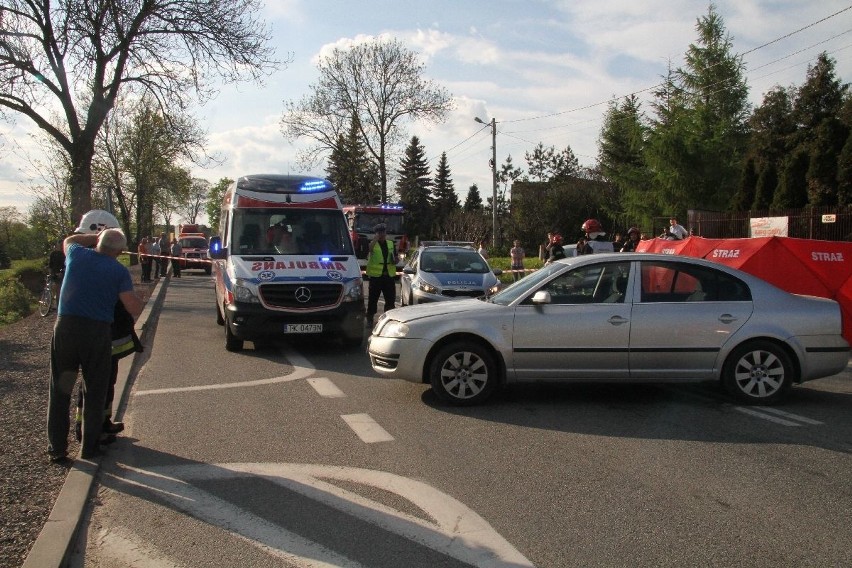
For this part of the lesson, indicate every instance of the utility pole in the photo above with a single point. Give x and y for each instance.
(493, 178)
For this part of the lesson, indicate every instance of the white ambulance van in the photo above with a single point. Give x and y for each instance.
(284, 264)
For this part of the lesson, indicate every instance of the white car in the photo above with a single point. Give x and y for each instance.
(617, 317)
(437, 272)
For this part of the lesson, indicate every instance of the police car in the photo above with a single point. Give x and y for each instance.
(440, 270)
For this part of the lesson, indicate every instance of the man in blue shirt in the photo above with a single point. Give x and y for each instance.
(94, 282)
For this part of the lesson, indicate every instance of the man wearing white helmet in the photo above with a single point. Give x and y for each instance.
(82, 337)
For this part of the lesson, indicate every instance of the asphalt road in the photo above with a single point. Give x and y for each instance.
(300, 455)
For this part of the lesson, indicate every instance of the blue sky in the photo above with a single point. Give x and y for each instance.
(544, 69)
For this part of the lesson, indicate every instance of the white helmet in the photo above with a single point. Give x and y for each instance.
(95, 221)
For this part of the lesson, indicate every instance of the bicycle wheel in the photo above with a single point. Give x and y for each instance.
(45, 301)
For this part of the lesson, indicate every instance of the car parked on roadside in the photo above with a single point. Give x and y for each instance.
(439, 271)
(617, 317)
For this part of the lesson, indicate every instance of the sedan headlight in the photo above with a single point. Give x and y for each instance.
(392, 328)
(245, 292)
(494, 289)
(428, 288)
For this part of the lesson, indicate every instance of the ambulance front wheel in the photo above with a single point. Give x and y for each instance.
(232, 343)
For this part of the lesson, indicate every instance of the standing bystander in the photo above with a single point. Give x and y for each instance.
(381, 271)
(516, 253)
(165, 248)
(145, 259)
(155, 257)
(94, 282)
(177, 253)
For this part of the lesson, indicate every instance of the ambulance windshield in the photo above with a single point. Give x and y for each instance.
(290, 231)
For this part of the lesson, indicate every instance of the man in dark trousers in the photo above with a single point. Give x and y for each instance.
(381, 271)
(82, 337)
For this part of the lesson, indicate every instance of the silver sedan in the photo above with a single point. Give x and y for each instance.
(617, 317)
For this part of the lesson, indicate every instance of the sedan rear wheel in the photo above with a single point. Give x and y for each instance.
(759, 372)
(463, 374)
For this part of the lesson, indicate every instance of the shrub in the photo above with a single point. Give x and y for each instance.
(15, 300)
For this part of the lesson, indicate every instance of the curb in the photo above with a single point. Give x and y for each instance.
(55, 541)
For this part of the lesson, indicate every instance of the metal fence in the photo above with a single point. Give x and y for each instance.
(828, 223)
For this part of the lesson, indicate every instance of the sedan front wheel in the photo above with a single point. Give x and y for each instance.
(759, 372)
(463, 374)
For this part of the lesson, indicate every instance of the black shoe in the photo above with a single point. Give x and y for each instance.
(60, 459)
(94, 454)
(107, 439)
(111, 427)
(78, 431)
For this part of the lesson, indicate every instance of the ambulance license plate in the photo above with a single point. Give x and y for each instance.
(302, 328)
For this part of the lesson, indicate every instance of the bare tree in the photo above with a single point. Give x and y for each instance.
(139, 154)
(78, 57)
(380, 83)
(195, 202)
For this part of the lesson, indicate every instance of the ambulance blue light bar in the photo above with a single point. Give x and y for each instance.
(275, 183)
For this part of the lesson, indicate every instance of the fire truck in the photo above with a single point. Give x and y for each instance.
(194, 244)
(362, 219)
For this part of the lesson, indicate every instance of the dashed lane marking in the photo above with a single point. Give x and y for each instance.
(366, 428)
(325, 387)
(792, 416)
(301, 368)
(768, 417)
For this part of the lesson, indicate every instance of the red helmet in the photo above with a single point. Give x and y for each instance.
(592, 226)
(556, 239)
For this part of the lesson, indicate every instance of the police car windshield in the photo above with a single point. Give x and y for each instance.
(452, 261)
(290, 231)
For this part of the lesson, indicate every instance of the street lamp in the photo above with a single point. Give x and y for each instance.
(493, 178)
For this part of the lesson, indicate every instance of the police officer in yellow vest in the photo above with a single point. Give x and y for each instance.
(381, 270)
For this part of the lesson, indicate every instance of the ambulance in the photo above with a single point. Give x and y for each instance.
(283, 263)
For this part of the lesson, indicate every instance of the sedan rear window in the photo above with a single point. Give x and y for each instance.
(676, 282)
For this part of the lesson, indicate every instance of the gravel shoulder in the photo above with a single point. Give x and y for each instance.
(29, 483)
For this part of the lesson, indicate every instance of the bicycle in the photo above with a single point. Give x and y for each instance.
(49, 295)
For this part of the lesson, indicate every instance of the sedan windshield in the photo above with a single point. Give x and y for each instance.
(454, 261)
(525, 285)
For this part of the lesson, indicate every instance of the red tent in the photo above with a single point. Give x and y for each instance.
(691, 246)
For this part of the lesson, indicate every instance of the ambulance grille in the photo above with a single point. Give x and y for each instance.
(301, 296)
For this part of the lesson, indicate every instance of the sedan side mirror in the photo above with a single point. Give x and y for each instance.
(497, 271)
(541, 297)
(409, 270)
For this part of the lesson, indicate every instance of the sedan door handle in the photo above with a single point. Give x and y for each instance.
(727, 318)
(617, 320)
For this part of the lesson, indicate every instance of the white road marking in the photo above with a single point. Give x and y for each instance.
(792, 416)
(452, 528)
(301, 368)
(366, 428)
(126, 550)
(325, 387)
(765, 416)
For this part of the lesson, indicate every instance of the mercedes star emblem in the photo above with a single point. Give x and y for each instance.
(303, 294)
